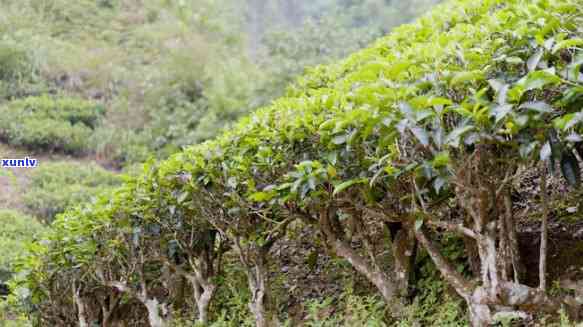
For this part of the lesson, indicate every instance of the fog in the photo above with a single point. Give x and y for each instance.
(379, 16)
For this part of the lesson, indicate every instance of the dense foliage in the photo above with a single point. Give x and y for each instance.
(383, 153)
(55, 186)
(17, 230)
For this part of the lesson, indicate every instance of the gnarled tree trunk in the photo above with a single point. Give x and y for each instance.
(154, 312)
(260, 304)
(482, 191)
(204, 302)
(404, 251)
(334, 236)
(81, 312)
(203, 293)
(254, 259)
(154, 317)
(377, 277)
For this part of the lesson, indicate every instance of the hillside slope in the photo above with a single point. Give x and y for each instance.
(90, 88)
(412, 164)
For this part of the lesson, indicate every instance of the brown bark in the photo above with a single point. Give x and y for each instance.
(254, 259)
(404, 251)
(335, 240)
(480, 312)
(81, 312)
(543, 235)
(504, 260)
(462, 286)
(153, 306)
(385, 286)
(510, 228)
(477, 193)
(483, 193)
(200, 279)
(516, 299)
(260, 304)
(204, 302)
(109, 302)
(203, 291)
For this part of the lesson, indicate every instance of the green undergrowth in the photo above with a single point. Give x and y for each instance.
(18, 76)
(50, 123)
(434, 303)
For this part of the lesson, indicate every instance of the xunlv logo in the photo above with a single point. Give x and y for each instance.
(19, 163)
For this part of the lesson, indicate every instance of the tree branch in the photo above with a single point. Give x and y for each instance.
(542, 270)
(453, 277)
(458, 228)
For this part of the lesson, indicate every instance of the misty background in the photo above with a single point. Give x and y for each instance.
(171, 73)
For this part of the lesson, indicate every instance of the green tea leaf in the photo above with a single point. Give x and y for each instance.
(421, 135)
(539, 79)
(463, 77)
(343, 186)
(340, 139)
(538, 106)
(418, 224)
(570, 168)
(453, 138)
(533, 61)
(567, 44)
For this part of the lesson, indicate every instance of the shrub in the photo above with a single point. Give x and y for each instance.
(17, 229)
(120, 146)
(17, 73)
(47, 123)
(13, 62)
(55, 186)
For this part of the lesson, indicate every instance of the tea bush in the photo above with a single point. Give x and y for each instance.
(384, 154)
(50, 123)
(17, 229)
(57, 185)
